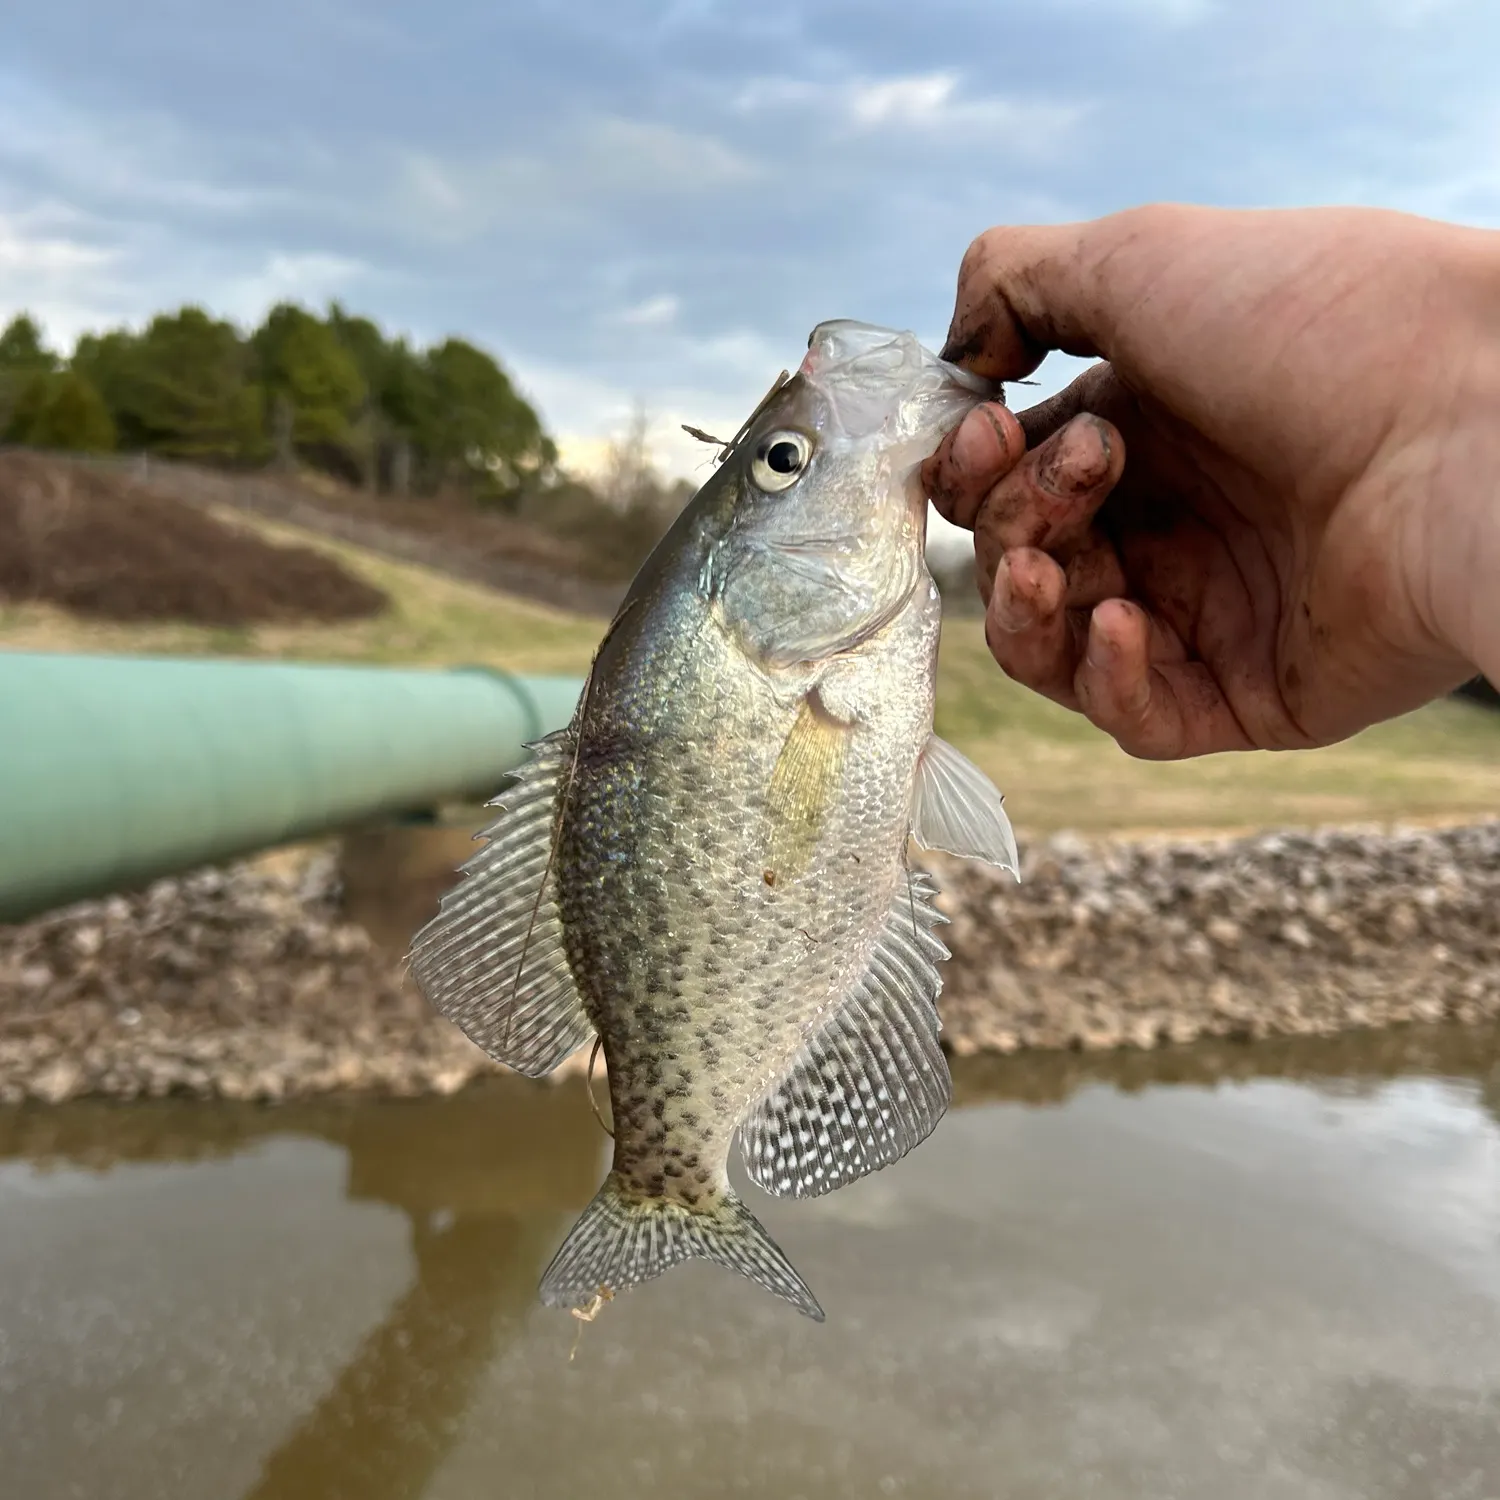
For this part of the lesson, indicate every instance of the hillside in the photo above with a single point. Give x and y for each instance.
(1440, 764)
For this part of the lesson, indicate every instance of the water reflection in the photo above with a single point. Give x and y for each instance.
(486, 1181)
(970, 1277)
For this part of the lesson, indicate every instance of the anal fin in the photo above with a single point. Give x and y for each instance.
(873, 1082)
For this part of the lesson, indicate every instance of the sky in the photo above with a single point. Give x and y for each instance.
(631, 202)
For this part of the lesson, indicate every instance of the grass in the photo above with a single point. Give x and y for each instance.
(1439, 764)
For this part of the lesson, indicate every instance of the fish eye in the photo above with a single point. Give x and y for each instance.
(779, 460)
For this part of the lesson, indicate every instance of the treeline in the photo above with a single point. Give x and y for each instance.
(329, 393)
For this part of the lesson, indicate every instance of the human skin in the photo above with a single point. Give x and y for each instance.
(1272, 518)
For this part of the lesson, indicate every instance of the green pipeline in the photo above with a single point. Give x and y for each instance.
(116, 770)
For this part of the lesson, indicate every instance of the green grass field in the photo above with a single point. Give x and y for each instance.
(1057, 771)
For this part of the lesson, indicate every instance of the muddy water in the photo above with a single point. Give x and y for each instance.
(1265, 1272)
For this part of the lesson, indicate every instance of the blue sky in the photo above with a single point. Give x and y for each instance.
(629, 200)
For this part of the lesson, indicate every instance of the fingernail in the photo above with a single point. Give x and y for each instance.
(978, 445)
(959, 346)
(1074, 460)
(1011, 614)
(1099, 653)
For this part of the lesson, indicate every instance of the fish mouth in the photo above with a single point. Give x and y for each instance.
(885, 381)
(841, 341)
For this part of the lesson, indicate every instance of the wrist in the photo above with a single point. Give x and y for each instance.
(1456, 461)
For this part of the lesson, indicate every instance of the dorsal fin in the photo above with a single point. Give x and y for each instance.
(492, 960)
(873, 1083)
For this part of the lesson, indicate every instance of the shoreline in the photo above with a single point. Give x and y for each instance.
(255, 981)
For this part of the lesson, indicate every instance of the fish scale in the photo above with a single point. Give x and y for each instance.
(707, 870)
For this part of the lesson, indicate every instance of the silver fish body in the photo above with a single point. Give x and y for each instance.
(708, 869)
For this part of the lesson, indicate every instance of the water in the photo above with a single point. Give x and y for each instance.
(1139, 1277)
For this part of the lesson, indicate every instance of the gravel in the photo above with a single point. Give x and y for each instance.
(1283, 934)
(248, 983)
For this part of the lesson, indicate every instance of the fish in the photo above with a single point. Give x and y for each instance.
(707, 873)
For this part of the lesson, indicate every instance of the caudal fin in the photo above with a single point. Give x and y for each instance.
(621, 1241)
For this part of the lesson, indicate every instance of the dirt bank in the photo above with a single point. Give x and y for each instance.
(252, 983)
(107, 546)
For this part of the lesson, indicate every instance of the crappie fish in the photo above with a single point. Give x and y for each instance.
(707, 869)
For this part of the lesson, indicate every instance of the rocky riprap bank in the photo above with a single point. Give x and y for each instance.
(248, 983)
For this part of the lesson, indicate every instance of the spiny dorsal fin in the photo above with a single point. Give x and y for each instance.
(957, 809)
(873, 1083)
(492, 960)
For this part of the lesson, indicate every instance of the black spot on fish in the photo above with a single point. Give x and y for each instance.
(689, 1197)
(690, 1118)
(658, 1107)
(702, 1175)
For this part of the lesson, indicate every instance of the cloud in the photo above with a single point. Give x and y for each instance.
(654, 312)
(309, 277)
(565, 179)
(930, 104)
(1173, 12)
(30, 255)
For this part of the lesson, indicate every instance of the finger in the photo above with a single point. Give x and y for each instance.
(1095, 574)
(1135, 682)
(1097, 390)
(985, 445)
(1049, 499)
(1028, 628)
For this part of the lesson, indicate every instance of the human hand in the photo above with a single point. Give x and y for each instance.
(1305, 535)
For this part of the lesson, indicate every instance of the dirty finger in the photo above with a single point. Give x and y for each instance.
(1048, 501)
(987, 444)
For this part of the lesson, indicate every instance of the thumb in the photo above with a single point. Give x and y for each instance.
(1026, 290)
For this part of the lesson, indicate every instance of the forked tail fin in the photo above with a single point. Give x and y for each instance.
(620, 1241)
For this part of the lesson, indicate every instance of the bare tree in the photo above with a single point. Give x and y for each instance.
(630, 482)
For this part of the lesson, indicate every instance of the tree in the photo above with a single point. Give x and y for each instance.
(180, 388)
(303, 366)
(399, 396)
(23, 357)
(478, 429)
(61, 410)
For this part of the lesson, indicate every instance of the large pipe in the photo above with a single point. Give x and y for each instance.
(115, 770)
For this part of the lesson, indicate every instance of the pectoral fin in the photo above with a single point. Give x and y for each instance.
(804, 783)
(957, 809)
